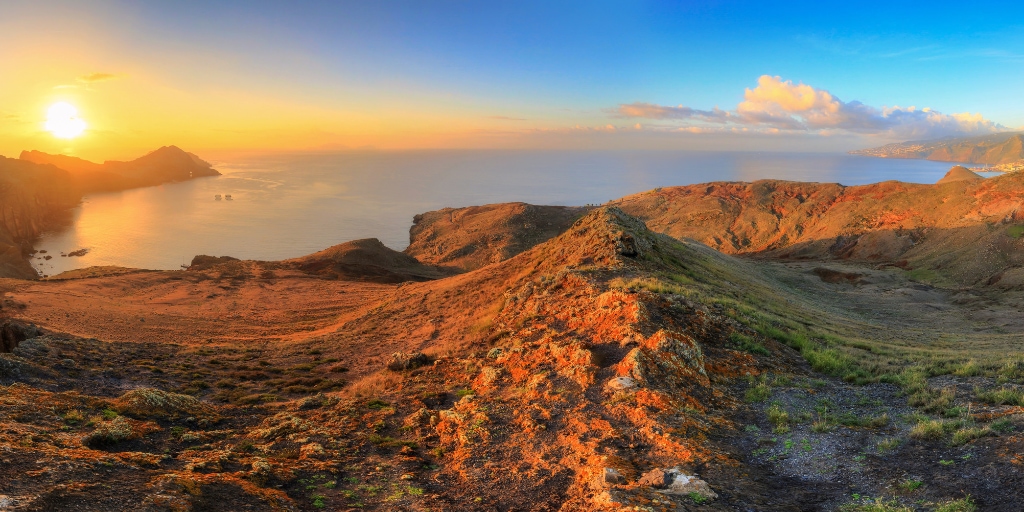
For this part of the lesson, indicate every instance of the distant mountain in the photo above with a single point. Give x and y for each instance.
(998, 148)
(167, 164)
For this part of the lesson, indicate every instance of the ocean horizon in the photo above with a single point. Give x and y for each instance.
(288, 205)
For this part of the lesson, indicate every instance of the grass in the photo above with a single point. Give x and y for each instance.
(889, 444)
(873, 505)
(771, 309)
(910, 485)
(967, 434)
(748, 344)
(965, 504)
(928, 429)
(757, 393)
(1000, 396)
(778, 417)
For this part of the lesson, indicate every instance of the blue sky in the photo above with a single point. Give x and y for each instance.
(545, 74)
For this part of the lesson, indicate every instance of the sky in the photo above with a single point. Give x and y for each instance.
(220, 76)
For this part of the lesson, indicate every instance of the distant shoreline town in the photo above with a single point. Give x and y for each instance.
(1000, 152)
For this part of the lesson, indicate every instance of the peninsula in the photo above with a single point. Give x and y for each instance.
(38, 190)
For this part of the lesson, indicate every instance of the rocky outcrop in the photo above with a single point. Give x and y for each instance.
(33, 198)
(12, 333)
(204, 262)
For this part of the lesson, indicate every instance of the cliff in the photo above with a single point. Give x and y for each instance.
(164, 165)
(32, 198)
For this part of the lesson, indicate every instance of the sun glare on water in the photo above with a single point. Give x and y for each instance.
(63, 122)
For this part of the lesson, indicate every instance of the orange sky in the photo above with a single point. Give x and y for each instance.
(242, 76)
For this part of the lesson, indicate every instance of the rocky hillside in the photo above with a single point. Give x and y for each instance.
(607, 368)
(164, 165)
(1000, 148)
(537, 382)
(963, 231)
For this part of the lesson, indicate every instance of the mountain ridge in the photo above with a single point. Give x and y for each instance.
(162, 165)
(994, 149)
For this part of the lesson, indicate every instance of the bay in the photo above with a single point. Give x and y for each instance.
(289, 205)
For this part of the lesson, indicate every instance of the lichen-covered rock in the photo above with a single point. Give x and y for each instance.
(119, 429)
(311, 451)
(154, 403)
(666, 359)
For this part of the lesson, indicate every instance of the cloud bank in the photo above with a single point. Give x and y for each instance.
(93, 78)
(778, 105)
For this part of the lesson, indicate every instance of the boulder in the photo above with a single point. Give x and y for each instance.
(620, 384)
(674, 481)
(401, 361)
(13, 332)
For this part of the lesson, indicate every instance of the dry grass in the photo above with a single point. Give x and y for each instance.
(373, 385)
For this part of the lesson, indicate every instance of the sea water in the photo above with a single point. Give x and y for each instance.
(288, 205)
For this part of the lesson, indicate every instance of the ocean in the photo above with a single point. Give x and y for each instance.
(289, 205)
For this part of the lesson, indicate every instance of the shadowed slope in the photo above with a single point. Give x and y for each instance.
(472, 237)
(32, 198)
(365, 260)
(963, 230)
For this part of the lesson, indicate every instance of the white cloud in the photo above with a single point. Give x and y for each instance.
(777, 105)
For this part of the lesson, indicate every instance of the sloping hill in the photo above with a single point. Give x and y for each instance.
(964, 230)
(472, 237)
(365, 260)
(959, 173)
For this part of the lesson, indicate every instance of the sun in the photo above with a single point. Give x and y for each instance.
(63, 122)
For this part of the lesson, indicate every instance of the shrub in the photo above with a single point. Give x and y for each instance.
(910, 485)
(154, 403)
(758, 393)
(73, 417)
(968, 434)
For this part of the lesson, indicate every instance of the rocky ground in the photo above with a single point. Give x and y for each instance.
(608, 368)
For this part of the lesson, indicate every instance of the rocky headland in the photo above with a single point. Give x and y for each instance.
(724, 346)
(38, 190)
